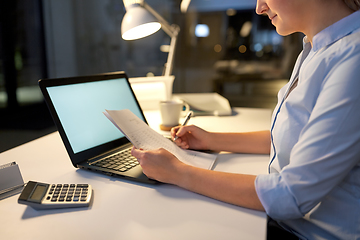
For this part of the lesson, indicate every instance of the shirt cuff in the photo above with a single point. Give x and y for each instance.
(276, 197)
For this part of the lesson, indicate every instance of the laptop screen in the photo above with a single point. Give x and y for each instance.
(80, 110)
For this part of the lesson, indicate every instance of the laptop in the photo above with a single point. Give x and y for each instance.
(91, 140)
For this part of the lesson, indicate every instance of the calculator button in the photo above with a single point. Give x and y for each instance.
(48, 198)
(53, 199)
(61, 199)
(68, 199)
(76, 199)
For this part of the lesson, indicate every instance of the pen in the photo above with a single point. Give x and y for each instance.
(187, 118)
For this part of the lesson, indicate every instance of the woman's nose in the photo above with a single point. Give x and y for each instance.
(261, 7)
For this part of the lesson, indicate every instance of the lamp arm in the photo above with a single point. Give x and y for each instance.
(170, 30)
(170, 59)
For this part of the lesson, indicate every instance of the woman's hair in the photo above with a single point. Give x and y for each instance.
(353, 4)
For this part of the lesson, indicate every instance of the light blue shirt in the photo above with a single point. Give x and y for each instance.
(314, 183)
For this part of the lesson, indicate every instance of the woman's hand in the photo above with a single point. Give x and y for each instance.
(159, 164)
(191, 137)
(233, 188)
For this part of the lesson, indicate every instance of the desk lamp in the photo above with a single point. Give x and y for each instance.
(141, 20)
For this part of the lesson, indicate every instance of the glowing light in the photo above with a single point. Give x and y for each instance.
(217, 48)
(246, 29)
(141, 31)
(258, 47)
(230, 12)
(242, 49)
(202, 30)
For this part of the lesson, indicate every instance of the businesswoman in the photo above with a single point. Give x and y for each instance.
(313, 186)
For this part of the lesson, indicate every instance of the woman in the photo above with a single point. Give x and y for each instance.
(313, 185)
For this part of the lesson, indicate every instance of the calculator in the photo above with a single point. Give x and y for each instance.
(47, 196)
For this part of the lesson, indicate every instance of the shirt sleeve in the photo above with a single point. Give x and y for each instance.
(327, 150)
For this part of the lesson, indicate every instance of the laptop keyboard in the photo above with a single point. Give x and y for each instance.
(122, 161)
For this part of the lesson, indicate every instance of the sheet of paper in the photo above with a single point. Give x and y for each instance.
(142, 136)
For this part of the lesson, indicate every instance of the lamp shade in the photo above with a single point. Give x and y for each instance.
(138, 23)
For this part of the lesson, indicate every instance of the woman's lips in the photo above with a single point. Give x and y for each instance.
(271, 18)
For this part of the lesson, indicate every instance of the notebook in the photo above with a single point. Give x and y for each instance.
(91, 140)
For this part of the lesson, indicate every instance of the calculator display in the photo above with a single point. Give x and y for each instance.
(38, 193)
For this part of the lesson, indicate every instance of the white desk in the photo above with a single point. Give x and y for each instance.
(126, 210)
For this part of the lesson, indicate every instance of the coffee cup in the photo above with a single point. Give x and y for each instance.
(170, 113)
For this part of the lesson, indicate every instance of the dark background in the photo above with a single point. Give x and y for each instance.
(52, 38)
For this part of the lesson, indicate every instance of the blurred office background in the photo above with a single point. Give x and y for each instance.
(223, 47)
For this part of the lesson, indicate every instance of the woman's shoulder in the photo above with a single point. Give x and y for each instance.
(341, 51)
(347, 44)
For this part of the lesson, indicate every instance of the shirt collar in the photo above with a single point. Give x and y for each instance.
(336, 31)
